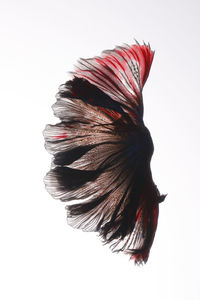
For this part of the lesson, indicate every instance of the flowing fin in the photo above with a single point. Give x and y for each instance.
(102, 151)
(120, 73)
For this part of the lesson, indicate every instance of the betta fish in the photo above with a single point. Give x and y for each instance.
(102, 151)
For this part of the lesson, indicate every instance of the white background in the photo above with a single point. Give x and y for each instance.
(42, 257)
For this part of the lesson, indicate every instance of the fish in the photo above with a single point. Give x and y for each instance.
(101, 151)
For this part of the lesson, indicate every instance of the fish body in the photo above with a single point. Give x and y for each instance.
(102, 151)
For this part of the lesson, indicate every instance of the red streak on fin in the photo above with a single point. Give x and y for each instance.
(113, 114)
(62, 136)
